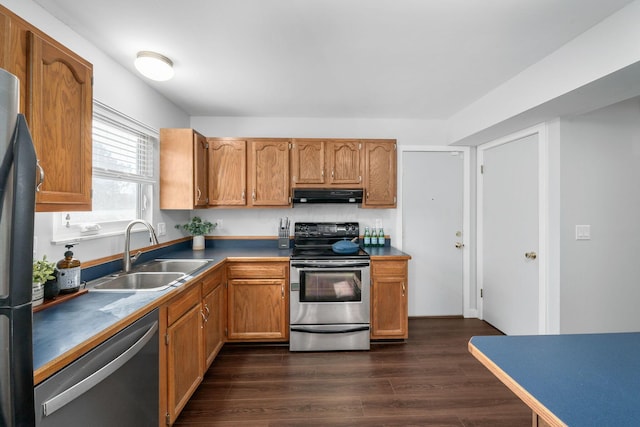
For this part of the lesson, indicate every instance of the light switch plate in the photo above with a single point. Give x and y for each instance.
(583, 232)
(162, 229)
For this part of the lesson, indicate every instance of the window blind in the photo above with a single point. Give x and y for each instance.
(121, 150)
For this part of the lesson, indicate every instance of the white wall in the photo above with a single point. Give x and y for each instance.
(597, 68)
(121, 90)
(599, 156)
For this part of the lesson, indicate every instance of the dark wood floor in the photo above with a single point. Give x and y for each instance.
(431, 380)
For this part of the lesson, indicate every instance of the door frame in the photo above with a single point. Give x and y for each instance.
(467, 292)
(542, 133)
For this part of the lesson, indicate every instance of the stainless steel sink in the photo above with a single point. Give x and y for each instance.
(155, 275)
(137, 282)
(184, 266)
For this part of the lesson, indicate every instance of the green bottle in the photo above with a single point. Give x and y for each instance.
(367, 237)
(381, 240)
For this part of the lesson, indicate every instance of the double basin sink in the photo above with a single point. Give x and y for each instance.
(155, 275)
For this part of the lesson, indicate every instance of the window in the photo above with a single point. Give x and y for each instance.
(123, 177)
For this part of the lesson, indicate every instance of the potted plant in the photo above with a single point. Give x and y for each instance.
(42, 272)
(197, 228)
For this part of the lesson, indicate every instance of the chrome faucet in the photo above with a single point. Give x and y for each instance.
(127, 259)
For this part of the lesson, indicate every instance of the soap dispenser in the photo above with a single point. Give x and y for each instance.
(68, 272)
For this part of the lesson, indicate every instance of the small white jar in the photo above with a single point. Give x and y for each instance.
(37, 294)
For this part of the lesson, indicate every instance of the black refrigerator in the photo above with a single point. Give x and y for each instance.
(17, 205)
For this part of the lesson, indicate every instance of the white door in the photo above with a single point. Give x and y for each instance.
(432, 221)
(510, 235)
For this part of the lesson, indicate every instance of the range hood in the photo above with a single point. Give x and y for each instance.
(326, 195)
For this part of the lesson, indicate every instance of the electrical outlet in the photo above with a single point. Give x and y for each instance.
(162, 229)
(219, 222)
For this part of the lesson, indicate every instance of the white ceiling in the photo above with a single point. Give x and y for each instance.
(332, 58)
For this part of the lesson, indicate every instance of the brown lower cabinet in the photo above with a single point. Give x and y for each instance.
(389, 299)
(257, 295)
(194, 336)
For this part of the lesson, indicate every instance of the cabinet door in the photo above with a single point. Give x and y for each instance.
(184, 359)
(213, 306)
(59, 116)
(389, 301)
(269, 172)
(307, 162)
(227, 172)
(200, 161)
(379, 174)
(183, 169)
(344, 158)
(257, 309)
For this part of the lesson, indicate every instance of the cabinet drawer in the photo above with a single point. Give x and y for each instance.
(183, 303)
(258, 270)
(389, 268)
(212, 281)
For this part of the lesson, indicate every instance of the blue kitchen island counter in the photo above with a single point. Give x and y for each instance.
(569, 380)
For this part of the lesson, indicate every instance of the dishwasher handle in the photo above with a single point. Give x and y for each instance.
(78, 389)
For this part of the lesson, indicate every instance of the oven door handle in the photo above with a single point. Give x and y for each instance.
(328, 265)
(326, 331)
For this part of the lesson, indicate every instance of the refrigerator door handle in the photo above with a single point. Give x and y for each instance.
(39, 184)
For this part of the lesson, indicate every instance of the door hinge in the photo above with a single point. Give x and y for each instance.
(481, 293)
(395, 147)
(481, 169)
(167, 419)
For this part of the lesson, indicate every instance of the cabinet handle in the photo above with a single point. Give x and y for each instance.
(198, 194)
(332, 173)
(243, 195)
(253, 195)
(404, 290)
(206, 307)
(41, 175)
(282, 291)
(204, 318)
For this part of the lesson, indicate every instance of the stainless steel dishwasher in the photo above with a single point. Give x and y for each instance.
(115, 384)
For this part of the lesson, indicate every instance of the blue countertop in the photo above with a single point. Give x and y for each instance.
(583, 380)
(61, 328)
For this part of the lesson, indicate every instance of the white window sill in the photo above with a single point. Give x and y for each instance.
(67, 240)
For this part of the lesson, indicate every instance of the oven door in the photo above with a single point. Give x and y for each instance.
(330, 292)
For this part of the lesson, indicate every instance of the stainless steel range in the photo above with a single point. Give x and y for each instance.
(330, 292)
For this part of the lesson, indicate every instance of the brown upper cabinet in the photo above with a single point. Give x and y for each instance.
(307, 162)
(260, 172)
(56, 92)
(183, 169)
(268, 172)
(380, 174)
(227, 172)
(249, 172)
(326, 163)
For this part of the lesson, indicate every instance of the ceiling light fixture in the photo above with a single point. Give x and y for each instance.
(154, 66)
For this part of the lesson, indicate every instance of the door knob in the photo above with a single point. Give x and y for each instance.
(530, 255)
(459, 245)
